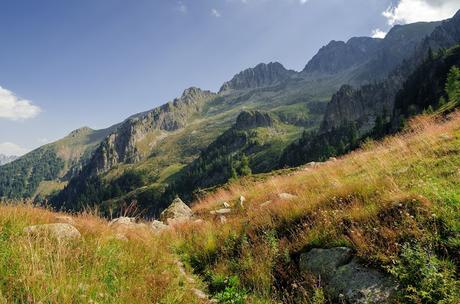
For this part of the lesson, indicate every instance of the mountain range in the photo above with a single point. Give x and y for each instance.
(202, 138)
(4, 159)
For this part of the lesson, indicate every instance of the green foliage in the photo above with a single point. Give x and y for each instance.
(227, 290)
(319, 147)
(425, 278)
(453, 85)
(21, 178)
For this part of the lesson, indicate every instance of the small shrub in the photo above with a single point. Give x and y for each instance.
(424, 277)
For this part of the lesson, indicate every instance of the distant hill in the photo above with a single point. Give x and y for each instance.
(4, 159)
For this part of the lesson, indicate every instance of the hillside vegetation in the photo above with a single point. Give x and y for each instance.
(396, 203)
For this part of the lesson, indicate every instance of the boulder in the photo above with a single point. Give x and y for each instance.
(360, 284)
(122, 221)
(157, 225)
(287, 196)
(60, 231)
(325, 262)
(345, 278)
(177, 211)
(122, 225)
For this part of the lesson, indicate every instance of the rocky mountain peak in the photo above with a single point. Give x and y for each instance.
(262, 75)
(80, 132)
(253, 119)
(339, 55)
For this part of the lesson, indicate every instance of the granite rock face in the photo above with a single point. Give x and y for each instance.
(122, 145)
(253, 119)
(339, 55)
(262, 75)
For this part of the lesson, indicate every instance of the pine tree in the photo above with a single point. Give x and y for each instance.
(453, 85)
(245, 170)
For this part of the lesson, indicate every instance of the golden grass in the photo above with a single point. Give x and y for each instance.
(375, 199)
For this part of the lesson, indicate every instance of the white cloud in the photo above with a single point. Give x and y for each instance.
(215, 13)
(9, 148)
(409, 11)
(15, 108)
(303, 1)
(378, 33)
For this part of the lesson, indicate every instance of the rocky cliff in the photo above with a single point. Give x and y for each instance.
(338, 55)
(122, 145)
(253, 119)
(261, 75)
(364, 104)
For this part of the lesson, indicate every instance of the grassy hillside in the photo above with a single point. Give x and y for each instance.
(396, 203)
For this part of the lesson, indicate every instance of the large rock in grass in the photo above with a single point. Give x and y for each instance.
(176, 212)
(60, 231)
(324, 262)
(345, 279)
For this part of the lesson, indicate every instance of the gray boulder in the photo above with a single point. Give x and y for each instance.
(345, 278)
(324, 262)
(177, 211)
(158, 226)
(360, 284)
(60, 231)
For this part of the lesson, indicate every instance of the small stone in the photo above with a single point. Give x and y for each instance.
(64, 219)
(332, 159)
(226, 205)
(223, 219)
(122, 221)
(241, 201)
(287, 196)
(223, 211)
(265, 204)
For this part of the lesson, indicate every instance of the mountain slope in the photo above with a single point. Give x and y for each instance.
(394, 204)
(365, 104)
(54, 162)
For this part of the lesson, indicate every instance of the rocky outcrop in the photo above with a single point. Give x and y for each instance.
(253, 119)
(61, 231)
(176, 212)
(361, 106)
(262, 75)
(338, 55)
(409, 42)
(345, 279)
(121, 145)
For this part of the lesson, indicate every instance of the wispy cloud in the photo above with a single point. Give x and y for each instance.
(14, 108)
(215, 13)
(378, 33)
(303, 1)
(181, 7)
(9, 148)
(409, 11)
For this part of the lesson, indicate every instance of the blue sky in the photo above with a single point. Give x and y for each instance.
(74, 63)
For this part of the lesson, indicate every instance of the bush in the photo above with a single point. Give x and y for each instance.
(425, 278)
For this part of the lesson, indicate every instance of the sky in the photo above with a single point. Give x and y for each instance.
(74, 63)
